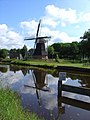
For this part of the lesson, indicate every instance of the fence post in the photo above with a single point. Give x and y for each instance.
(59, 88)
(62, 76)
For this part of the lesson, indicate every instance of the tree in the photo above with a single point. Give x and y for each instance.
(56, 57)
(82, 49)
(24, 51)
(3, 53)
(65, 51)
(74, 50)
(13, 53)
(85, 43)
(50, 51)
(57, 48)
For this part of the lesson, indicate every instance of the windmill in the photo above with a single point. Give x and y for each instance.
(39, 45)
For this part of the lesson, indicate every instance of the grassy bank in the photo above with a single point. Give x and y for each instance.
(10, 107)
(48, 63)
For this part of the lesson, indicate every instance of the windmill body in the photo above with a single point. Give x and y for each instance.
(40, 51)
(39, 46)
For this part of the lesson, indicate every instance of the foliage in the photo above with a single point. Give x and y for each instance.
(10, 107)
(3, 53)
(66, 50)
(75, 50)
(24, 51)
(50, 51)
(56, 58)
(85, 43)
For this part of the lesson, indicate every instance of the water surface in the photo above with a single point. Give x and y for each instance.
(39, 92)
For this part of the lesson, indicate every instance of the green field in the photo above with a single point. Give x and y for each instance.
(48, 63)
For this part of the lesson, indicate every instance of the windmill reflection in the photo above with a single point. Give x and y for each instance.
(40, 82)
(39, 77)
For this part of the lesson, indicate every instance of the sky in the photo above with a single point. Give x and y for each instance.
(63, 20)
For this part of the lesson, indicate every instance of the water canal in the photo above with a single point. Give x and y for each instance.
(39, 92)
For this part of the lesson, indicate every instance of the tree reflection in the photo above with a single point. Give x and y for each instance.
(18, 68)
(3, 69)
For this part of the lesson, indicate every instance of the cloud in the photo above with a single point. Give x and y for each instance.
(9, 39)
(58, 36)
(84, 17)
(29, 27)
(50, 21)
(55, 16)
(66, 38)
(64, 16)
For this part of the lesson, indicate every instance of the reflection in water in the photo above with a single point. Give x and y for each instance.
(17, 68)
(39, 93)
(40, 78)
(73, 102)
(84, 80)
(39, 82)
(3, 68)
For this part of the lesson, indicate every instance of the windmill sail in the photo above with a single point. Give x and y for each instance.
(38, 28)
(37, 32)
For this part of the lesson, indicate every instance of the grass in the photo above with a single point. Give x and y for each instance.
(10, 107)
(48, 63)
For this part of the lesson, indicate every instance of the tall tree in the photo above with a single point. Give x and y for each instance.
(74, 50)
(24, 51)
(50, 51)
(85, 43)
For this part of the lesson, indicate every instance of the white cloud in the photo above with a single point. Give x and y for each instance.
(58, 36)
(64, 16)
(9, 39)
(49, 21)
(84, 17)
(29, 27)
(66, 38)
(77, 26)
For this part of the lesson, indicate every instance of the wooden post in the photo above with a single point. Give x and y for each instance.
(61, 109)
(59, 88)
(62, 76)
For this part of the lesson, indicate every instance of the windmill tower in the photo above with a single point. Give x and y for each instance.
(39, 45)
